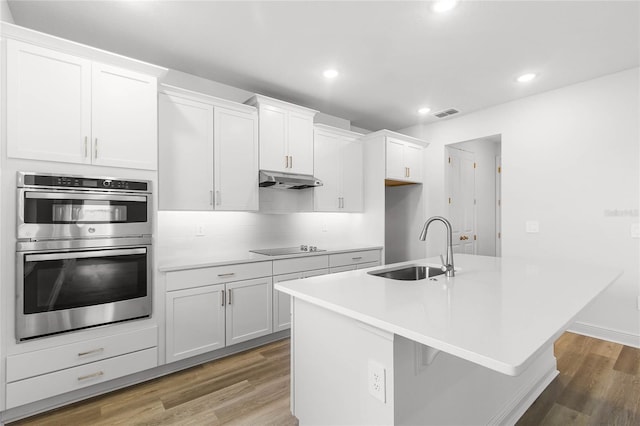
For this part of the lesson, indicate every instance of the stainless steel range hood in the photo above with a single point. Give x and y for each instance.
(282, 180)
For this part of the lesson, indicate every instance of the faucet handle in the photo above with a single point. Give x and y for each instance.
(444, 266)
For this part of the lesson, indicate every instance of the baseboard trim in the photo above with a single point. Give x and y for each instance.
(611, 335)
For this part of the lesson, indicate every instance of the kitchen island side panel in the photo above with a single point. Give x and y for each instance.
(331, 355)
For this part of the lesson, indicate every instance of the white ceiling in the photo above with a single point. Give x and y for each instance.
(393, 56)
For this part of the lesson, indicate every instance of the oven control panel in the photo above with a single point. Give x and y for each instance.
(80, 182)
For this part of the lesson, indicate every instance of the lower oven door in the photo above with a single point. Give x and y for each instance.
(64, 290)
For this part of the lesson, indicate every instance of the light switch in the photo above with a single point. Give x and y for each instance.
(635, 230)
(532, 226)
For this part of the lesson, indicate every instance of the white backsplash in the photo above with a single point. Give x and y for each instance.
(242, 231)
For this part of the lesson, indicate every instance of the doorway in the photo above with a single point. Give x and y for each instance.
(472, 195)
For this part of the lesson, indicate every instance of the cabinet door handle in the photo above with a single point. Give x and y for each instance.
(210, 198)
(229, 296)
(408, 171)
(91, 376)
(91, 352)
(218, 198)
(86, 153)
(291, 161)
(222, 295)
(95, 148)
(286, 161)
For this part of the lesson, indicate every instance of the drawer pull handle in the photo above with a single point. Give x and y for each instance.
(228, 274)
(356, 258)
(91, 376)
(91, 352)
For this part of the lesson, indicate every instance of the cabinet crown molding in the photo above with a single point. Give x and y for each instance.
(396, 135)
(256, 100)
(336, 130)
(171, 90)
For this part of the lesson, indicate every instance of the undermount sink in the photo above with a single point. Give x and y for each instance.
(408, 273)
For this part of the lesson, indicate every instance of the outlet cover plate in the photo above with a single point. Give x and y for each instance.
(377, 381)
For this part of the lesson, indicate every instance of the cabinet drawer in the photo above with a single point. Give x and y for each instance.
(354, 258)
(299, 264)
(52, 384)
(48, 360)
(190, 278)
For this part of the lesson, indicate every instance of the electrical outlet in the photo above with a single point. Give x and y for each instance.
(532, 226)
(377, 381)
(199, 230)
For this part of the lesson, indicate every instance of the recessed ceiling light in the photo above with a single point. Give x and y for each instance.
(442, 6)
(424, 110)
(330, 73)
(524, 78)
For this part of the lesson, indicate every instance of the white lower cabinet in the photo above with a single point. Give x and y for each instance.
(33, 376)
(350, 261)
(289, 270)
(202, 317)
(282, 301)
(195, 321)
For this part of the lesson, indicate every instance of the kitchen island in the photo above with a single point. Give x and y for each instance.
(476, 348)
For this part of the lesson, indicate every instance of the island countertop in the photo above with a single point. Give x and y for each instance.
(496, 312)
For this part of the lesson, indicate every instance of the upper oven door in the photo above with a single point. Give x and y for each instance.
(50, 214)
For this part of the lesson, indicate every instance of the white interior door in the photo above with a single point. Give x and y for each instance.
(461, 199)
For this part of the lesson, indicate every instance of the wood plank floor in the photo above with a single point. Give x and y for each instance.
(599, 384)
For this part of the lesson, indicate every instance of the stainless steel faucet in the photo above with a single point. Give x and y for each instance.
(448, 263)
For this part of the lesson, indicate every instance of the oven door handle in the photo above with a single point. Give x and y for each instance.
(83, 196)
(83, 254)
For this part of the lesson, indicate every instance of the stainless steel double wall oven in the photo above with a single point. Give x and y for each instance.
(83, 252)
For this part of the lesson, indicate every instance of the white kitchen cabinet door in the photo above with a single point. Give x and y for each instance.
(185, 177)
(195, 321)
(300, 143)
(273, 136)
(282, 303)
(327, 147)
(352, 176)
(124, 118)
(236, 160)
(249, 309)
(48, 104)
(396, 168)
(404, 161)
(413, 161)
(338, 163)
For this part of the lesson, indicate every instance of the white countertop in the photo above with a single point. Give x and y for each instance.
(233, 257)
(496, 312)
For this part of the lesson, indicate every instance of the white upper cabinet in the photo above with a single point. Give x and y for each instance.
(208, 155)
(339, 165)
(236, 159)
(286, 135)
(124, 116)
(66, 108)
(404, 160)
(48, 104)
(185, 175)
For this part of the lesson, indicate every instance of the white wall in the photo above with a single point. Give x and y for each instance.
(5, 12)
(570, 160)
